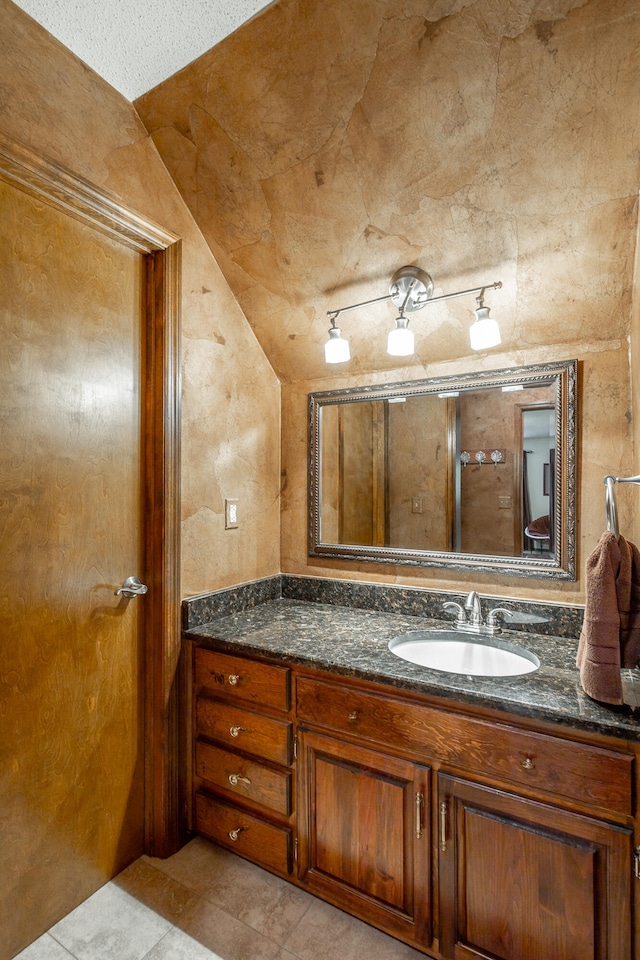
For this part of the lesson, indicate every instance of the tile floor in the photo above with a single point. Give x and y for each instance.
(207, 904)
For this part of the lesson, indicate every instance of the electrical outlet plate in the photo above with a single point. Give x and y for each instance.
(230, 514)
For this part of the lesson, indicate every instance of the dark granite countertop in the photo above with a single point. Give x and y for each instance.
(353, 642)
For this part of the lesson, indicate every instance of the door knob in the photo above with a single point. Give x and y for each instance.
(132, 588)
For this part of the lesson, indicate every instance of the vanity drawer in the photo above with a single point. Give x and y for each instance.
(247, 778)
(245, 833)
(242, 729)
(589, 774)
(249, 681)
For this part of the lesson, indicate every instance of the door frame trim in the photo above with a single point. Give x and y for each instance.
(161, 405)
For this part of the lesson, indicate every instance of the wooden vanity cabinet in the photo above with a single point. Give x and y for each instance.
(365, 818)
(243, 755)
(522, 879)
(532, 839)
(469, 837)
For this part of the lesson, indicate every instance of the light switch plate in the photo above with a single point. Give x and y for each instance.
(230, 514)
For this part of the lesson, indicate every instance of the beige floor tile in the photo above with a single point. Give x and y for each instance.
(325, 933)
(44, 948)
(156, 890)
(110, 925)
(177, 945)
(193, 865)
(205, 903)
(227, 936)
(263, 901)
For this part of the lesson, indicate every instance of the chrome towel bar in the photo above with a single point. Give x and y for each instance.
(611, 509)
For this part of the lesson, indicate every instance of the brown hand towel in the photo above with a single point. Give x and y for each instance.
(540, 527)
(610, 637)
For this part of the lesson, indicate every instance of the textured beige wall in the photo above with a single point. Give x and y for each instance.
(319, 148)
(326, 144)
(55, 105)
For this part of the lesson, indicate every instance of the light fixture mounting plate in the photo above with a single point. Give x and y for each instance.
(410, 288)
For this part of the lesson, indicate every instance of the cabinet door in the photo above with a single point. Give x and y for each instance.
(521, 880)
(364, 833)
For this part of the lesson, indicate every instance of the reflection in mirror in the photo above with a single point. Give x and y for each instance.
(474, 472)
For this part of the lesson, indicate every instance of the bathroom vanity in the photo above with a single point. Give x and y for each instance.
(471, 817)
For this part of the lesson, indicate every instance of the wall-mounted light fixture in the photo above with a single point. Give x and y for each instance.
(412, 289)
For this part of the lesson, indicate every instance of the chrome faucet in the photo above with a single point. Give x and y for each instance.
(469, 617)
(473, 609)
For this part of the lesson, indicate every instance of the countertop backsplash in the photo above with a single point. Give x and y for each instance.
(550, 619)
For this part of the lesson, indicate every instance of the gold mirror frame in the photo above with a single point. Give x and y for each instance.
(559, 565)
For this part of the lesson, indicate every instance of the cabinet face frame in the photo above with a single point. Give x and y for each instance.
(594, 854)
(333, 804)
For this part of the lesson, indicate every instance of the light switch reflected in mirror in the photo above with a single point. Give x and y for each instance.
(471, 472)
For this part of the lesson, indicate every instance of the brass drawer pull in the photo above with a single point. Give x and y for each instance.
(235, 779)
(235, 731)
(419, 805)
(353, 715)
(234, 834)
(527, 764)
(443, 826)
(233, 678)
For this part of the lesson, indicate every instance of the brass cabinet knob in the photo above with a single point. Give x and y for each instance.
(233, 679)
(353, 715)
(234, 834)
(235, 779)
(527, 764)
(235, 731)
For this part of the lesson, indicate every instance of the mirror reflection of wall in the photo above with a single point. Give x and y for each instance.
(419, 469)
(491, 505)
(488, 501)
(386, 469)
(417, 472)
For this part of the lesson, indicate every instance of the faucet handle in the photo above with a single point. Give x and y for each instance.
(492, 616)
(461, 616)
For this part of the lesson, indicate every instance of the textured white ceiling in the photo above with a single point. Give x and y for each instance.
(135, 44)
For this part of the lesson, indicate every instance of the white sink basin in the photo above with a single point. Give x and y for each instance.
(464, 653)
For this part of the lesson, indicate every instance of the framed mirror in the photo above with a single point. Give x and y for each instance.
(471, 472)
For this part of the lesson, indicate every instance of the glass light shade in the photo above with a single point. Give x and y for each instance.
(484, 332)
(400, 340)
(336, 350)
